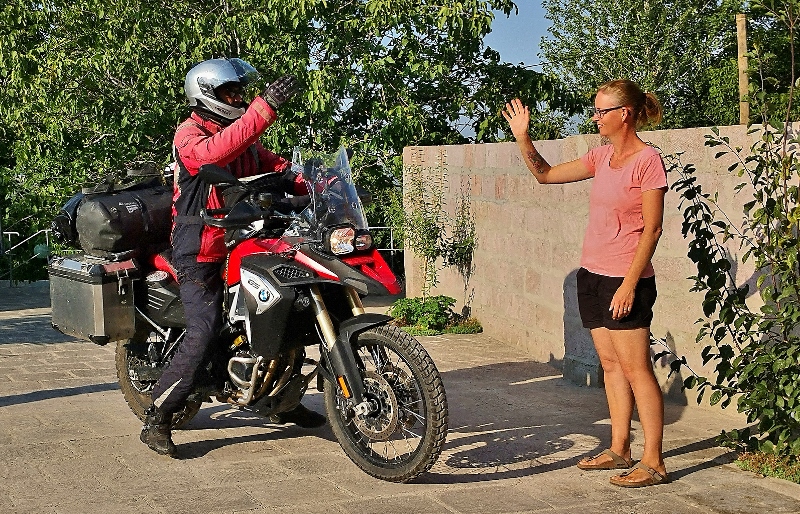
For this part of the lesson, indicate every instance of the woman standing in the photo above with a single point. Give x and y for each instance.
(616, 281)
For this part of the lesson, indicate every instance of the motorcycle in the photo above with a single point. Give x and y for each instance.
(293, 282)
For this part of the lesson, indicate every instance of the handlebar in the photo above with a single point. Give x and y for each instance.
(208, 218)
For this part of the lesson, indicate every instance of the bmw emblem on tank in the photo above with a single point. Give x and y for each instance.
(263, 295)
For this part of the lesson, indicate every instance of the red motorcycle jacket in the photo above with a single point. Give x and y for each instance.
(201, 141)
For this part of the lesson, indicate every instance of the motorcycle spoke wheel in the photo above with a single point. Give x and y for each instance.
(403, 437)
(132, 354)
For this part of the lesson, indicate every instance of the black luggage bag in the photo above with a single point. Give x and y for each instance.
(122, 224)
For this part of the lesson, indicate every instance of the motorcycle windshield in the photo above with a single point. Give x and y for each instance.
(334, 196)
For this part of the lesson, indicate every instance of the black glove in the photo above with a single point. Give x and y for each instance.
(280, 91)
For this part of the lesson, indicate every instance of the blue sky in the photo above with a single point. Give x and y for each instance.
(517, 37)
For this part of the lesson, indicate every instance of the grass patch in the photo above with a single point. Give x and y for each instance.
(467, 326)
(769, 465)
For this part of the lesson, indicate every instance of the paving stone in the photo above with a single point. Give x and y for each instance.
(415, 504)
(298, 491)
(486, 499)
(70, 444)
(174, 498)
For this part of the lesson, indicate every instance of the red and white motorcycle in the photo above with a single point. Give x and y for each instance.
(293, 282)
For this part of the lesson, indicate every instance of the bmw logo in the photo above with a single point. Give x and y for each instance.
(263, 295)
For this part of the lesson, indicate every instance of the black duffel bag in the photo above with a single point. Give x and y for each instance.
(122, 224)
(63, 225)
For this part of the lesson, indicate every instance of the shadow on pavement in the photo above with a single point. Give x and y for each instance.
(516, 419)
(34, 295)
(33, 328)
(507, 420)
(705, 444)
(49, 394)
(196, 450)
(221, 416)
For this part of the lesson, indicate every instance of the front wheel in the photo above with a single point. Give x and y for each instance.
(403, 436)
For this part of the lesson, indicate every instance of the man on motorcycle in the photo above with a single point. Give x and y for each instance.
(223, 130)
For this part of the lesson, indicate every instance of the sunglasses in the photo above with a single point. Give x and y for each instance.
(232, 91)
(602, 112)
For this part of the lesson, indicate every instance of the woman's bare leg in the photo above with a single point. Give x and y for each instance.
(618, 393)
(632, 348)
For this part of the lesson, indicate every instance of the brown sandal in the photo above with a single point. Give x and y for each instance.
(616, 462)
(653, 478)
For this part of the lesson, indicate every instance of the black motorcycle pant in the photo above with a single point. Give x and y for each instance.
(201, 293)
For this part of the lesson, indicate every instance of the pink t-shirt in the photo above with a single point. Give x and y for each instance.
(615, 209)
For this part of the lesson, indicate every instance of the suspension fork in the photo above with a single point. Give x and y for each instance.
(339, 348)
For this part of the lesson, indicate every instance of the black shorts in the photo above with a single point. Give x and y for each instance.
(594, 298)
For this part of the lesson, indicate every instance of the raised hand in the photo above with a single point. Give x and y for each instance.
(280, 91)
(518, 117)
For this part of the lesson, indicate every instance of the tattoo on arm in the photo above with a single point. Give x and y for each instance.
(537, 161)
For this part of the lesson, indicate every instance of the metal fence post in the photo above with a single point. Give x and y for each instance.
(2, 244)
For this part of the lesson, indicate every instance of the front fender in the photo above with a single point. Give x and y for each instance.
(342, 355)
(357, 324)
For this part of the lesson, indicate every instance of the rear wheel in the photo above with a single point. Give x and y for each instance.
(403, 436)
(137, 375)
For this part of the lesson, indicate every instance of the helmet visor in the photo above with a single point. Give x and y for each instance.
(217, 72)
(246, 73)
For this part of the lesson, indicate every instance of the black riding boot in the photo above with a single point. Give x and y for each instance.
(156, 432)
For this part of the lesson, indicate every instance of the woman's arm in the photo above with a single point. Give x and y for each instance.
(653, 216)
(518, 117)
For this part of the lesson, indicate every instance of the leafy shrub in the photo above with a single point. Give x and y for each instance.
(468, 326)
(755, 352)
(431, 313)
(432, 316)
(786, 468)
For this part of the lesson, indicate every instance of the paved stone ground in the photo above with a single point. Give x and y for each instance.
(69, 444)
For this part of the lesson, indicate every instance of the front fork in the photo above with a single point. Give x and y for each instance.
(339, 349)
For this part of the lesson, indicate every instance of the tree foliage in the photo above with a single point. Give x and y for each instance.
(771, 36)
(96, 87)
(683, 50)
(755, 352)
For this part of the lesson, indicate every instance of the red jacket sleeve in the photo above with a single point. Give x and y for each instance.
(196, 147)
(270, 162)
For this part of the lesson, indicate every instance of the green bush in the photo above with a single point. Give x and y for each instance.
(431, 313)
(755, 351)
(769, 465)
(432, 316)
(467, 326)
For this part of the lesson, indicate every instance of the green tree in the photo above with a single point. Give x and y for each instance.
(94, 87)
(683, 50)
(754, 351)
(772, 33)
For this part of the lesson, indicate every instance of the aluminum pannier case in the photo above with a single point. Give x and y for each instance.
(92, 298)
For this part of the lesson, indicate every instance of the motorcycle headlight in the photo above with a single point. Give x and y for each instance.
(341, 240)
(364, 241)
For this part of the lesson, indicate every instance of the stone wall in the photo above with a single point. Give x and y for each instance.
(529, 242)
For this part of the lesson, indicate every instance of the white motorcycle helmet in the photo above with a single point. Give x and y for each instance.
(204, 78)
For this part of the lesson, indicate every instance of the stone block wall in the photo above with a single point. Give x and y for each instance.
(529, 242)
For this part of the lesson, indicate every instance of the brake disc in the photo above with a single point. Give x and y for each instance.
(380, 424)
